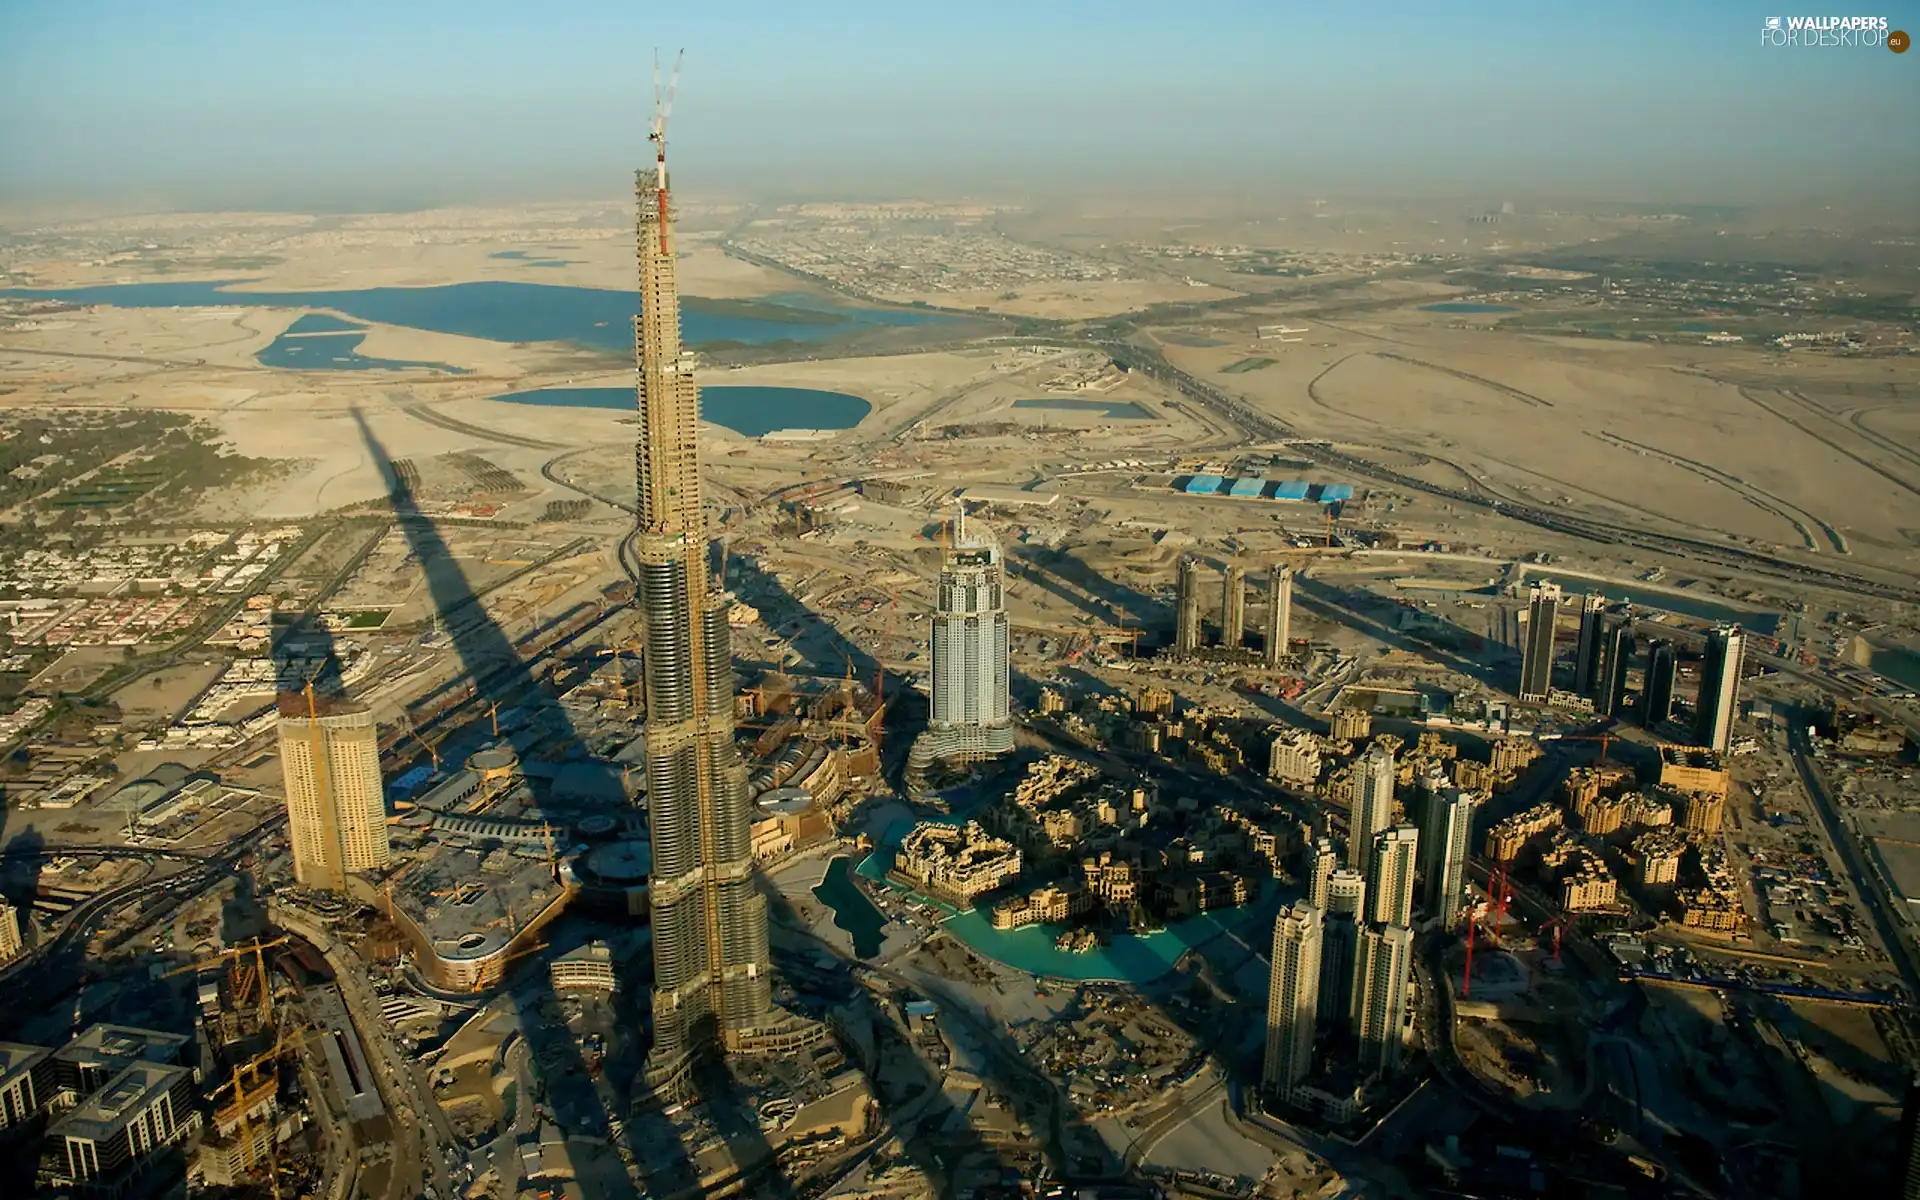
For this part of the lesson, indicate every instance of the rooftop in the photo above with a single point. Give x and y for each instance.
(105, 1112)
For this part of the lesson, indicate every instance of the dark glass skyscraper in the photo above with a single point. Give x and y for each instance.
(1656, 691)
(1586, 663)
(1719, 698)
(712, 982)
(1617, 648)
(1536, 651)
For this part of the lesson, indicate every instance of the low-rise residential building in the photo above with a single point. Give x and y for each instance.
(1656, 857)
(956, 862)
(1694, 769)
(1047, 904)
(1507, 838)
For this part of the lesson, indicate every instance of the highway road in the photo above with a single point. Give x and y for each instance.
(1873, 897)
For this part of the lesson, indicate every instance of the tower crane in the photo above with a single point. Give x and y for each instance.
(657, 134)
(247, 969)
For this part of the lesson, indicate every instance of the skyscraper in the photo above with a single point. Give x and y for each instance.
(1719, 697)
(336, 805)
(1587, 657)
(1279, 614)
(1293, 999)
(1233, 607)
(1379, 1011)
(1396, 855)
(969, 648)
(1656, 690)
(1340, 940)
(1617, 656)
(711, 976)
(1372, 804)
(1445, 845)
(1536, 654)
(1186, 635)
(1322, 862)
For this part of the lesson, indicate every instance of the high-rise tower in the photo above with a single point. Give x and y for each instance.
(1396, 854)
(1719, 699)
(1536, 651)
(1611, 691)
(1656, 689)
(1186, 634)
(1279, 614)
(1372, 804)
(712, 982)
(1233, 607)
(1293, 999)
(969, 648)
(336, 807)
(1444, 845)
(1379, 1007)
(1586, 663)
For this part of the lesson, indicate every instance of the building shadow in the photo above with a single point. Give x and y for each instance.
(501, 676)
(1338, 605)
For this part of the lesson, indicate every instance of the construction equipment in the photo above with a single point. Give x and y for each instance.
(1497, 898)
(432, 749)
(657, 134)
(246, 974)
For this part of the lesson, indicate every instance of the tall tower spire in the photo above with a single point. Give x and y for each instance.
(712, 980)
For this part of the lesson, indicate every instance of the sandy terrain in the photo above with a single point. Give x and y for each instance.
(1650, 431)
(1077, 300)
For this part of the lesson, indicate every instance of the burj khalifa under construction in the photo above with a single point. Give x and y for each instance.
(712, 981)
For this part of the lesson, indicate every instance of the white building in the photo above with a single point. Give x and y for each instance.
(1372, 803)
(1390, 874)
(1379, 1012)
(1293, 999)
(1444, 845)
(971, 676)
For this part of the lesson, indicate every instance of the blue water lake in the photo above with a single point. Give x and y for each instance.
(1117, 410)
(500, 311)
(318, 342)
(1465, 306)
(749, 411)
(1127, 957)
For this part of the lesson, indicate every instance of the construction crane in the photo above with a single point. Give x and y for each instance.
(657, 134)
(1497, 898)
(432, 749)
(247, 970)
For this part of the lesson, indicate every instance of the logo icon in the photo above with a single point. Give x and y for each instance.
(1898, 41)
(1773, 23)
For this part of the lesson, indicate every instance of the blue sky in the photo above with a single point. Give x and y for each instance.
(201, 101)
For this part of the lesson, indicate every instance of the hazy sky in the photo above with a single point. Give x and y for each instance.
(214, 102)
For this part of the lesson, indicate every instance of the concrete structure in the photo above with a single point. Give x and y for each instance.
(1381, 971)
(1445, 845)
(1703, 813)
(1590, 648)
(114, 1134)
(1536, 651)
(1279, 614)
(1350, 725)
(1656, 856)
(712, 978)
(336, 808)
(1186, 637)
(1610, 693)
(1293, 999)
(1509, 836)
(467, 912)
(956, 862)
(1390, 875)
(27, 1085)
(1719, 699)
(1233, 607)
(1585, 883)
(1689, 769)
(1322, 861)
(1372, 803)
(1295, 758)
(1340, 940)
(11, 945)
(968, 644)
(1656, 689)
(587, 968)
(1048, 903)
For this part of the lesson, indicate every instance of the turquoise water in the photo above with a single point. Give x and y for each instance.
(508, 312)
(1465, 306)
(1126, 958)
(852, 911)
(1118, 410)
(318, 342)
(751, 411)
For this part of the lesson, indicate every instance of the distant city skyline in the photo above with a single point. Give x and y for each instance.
(364, 105)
